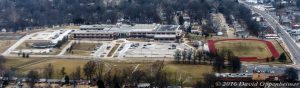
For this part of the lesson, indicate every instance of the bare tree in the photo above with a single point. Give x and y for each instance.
(76, 75)
(108, 77)
(235, 64)
(180, 20)
(48, 71)
(62, 71)
(219, 63)
(89, 69)
(158, 76)
(195, 57)
(99, 69)
(184, 55)
(208, 81)
(126, 74)
(161, 79)
(291, 74)
(2, 66)
(177, 55)
(189, 55)
(138, 76)
(200, 56)
(33, 77)
(157, 67)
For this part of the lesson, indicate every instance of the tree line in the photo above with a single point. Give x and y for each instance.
(233, 11)
(99, 74)
(18, 14)
(298, 3)
(217, 60)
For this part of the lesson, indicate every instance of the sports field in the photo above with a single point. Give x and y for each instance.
(245, 49)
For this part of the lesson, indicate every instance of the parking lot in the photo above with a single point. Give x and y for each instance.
(103, 50)
(149, 49)
(10, 36)
(262, 68)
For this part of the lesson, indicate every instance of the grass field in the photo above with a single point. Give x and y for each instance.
(5, 44)
(113, 50)
(25, 45)
(71, 27)
(83, 49)
(18, 62)
(245, 48)
(189, 73)
(70, 66)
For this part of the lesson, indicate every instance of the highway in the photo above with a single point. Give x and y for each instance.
(286, 38)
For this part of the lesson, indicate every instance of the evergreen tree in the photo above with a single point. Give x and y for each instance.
(219, 63)
(27, 55)
(23, 55)
(291, 74)
(67, 79)
(100, 83)
(181, 20)
(235, 64)
(282, 58)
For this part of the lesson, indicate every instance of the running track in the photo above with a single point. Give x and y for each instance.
(271, 47)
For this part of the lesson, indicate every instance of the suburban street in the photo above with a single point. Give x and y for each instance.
(286, 38)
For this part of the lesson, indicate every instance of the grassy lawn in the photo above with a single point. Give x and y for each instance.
(84, 49)
(70, 66)
(136, 39)
(189, 73)
(113, 50)
(5, 44)
(194, 37)
(245, 48)
(86, 46)
(16, 62)
(25, 45)
(71, 27)
(278, 45)
(280, 50)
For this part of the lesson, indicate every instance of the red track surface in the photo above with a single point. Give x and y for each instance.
(271, 47)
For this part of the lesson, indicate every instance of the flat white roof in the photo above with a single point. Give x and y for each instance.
(164, 36)
(45, 35)
(128, 28)
(60, 37)
(96, 26)
(50, 35)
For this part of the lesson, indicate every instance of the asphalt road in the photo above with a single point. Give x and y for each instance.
(286, 38)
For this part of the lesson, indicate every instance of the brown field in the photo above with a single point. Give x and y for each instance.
(25, 45)
(112, 51)
(84, 49)
(189, 73)
(5, 44)
(245, 48)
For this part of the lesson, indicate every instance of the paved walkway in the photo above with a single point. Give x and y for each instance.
(18, 43)
(63, 51)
